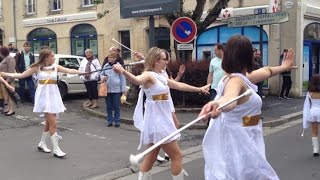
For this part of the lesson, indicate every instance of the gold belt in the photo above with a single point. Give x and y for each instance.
(160, 97)
(47, 81)
(251, 120)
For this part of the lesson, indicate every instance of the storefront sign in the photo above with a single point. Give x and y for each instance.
(261, 19)
(60, 19)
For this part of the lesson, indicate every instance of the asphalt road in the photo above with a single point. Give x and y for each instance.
(92, 148)
(288, 153)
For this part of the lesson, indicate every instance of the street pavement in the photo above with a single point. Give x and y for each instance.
(95, 151)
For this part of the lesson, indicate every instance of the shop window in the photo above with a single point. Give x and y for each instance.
(125, 40)
(30, 7)
(84, 36)
(42, 37)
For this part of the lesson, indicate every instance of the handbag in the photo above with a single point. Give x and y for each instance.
(103, 90)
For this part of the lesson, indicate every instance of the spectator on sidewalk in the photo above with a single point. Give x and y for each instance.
(215, 70)
(286, 80)
(234, 139)
(8, 65)
(257, 64)
(114, 55)
(116, 84)
(24, 60)
(311, 111)
(12, 48)
(89, 64)
(156, 122)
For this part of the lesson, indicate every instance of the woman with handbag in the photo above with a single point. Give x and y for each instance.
(116, 84)
(88, 64)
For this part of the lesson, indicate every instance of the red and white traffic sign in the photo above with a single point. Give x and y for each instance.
(184, 30)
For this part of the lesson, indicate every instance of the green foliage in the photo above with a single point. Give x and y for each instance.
(98, 2)
(101, 15)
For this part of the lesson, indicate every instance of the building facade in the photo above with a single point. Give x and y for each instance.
(71, 26)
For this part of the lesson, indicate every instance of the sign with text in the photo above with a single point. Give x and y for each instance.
(143, 8)
(261, 19)
(184, 47)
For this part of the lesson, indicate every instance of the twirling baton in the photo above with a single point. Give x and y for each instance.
(134, 159)
(123, 45)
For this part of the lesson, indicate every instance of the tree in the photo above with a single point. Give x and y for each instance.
(104, 12)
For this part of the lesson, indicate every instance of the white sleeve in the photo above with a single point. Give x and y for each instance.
(306, 111)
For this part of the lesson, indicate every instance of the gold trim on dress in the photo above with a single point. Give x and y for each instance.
(47, 81)
(251, 120)
(160, 97)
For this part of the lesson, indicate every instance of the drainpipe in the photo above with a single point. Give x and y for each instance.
(14, 24)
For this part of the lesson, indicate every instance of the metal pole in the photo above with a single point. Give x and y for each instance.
(261, 41)
(151, 32)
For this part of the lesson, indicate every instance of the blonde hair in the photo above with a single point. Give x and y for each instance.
(43, 55)
(88, 51)
(153, 55)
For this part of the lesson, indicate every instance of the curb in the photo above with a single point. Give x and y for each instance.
(271, 123)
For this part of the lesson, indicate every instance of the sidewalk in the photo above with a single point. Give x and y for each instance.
(275, 112)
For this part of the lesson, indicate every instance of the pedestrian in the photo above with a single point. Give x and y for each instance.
(215, 71)
(156, 123)
(24, 60)
(114, 55)
(12, 48)
(47, 97)
(116, 84)
(233, 145)
(286, 80)
(89, 64)
(257, 64)
(8, 64)
(311, 111)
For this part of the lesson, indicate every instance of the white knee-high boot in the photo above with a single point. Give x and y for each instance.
(42, 146)
(56, 150)
(144, 175)
(315, 144)
(180, 176)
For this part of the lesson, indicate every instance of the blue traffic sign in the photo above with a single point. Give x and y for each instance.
(184, 30)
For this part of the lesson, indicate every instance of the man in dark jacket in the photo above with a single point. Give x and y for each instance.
(257, 64)
(24, 60)
(286, 80)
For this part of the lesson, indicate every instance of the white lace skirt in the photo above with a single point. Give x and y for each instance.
(48, 99)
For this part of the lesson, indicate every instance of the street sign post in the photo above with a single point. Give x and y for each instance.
(184, 30)
(261, 19)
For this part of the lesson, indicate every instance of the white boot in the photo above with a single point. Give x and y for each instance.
(180, 176)
(315, 144)
(56, 150)
(144, 175)
(42, 146)
(160, 159)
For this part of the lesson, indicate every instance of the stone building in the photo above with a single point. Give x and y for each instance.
(71, 26)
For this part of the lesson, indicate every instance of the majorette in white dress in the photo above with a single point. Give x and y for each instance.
(47, 97)
(233, 149)
(156, 122)
(311, 111)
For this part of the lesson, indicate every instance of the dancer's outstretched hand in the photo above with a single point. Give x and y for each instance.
(210, 110)
(118, 68)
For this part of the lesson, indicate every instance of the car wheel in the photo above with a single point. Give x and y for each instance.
(63, 89)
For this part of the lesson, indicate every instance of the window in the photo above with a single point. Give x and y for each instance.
(30, 6)
(1, 9)
(55, 5)
(71, 63)
(125, 40)
(87, 3)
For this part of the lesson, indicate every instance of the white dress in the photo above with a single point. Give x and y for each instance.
(233, 151)
(311, 111)
(47, 96)
(156, 123)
